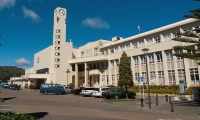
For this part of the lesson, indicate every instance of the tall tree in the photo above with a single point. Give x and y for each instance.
(191, 36)
(125, 73)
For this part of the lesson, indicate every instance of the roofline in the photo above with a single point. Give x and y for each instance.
(183, 22)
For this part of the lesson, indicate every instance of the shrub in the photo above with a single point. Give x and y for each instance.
(111, 86)
(70, 85)
(13, 116)
(32, 86)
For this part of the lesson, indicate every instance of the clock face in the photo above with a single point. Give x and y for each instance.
(62, 12)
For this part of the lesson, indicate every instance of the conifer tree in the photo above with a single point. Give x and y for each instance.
(125, 73)
(191, 36)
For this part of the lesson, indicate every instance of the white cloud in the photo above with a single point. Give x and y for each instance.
(95, 23)
(31, 14)
(7, 4)
(22, 62)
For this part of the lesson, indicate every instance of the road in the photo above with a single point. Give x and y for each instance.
(72, 107)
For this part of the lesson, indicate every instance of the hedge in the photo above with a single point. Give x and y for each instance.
(14, 116)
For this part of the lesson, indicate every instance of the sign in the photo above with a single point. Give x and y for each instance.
(141, 79)
(182, 86)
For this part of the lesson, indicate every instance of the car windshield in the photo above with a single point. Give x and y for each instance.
(96, 89)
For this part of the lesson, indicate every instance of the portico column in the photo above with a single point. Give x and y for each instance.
(86, 75)
(76, 75)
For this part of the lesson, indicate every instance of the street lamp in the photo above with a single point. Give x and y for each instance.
(67, 75)
(145, 51)
(88, 69)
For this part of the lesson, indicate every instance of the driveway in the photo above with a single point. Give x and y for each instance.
(72, 107)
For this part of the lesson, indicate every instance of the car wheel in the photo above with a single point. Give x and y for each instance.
(45, 92)
(59, 93)
(116, 97)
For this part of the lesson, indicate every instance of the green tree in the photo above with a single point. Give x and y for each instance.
(191, 36)
(125, 73)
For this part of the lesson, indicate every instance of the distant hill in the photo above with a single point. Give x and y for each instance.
(9, 71)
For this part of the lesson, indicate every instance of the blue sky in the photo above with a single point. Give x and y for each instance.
(26, 26)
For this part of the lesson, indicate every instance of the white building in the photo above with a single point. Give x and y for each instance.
(102, 57)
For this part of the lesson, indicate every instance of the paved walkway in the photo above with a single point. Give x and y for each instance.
(185, 108)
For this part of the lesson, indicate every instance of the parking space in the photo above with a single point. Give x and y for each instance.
(70, 106)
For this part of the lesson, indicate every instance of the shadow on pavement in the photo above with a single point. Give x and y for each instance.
(187, 103)
(4, 99)
(38, 114)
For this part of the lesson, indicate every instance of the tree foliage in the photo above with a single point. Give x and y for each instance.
(10, 71)
(125, 73)
(191, 36)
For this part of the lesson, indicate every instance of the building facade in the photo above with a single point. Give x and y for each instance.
(97, 63)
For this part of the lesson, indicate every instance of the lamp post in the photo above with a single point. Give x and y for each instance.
(145, 51)
(67, 75)
(88, 69)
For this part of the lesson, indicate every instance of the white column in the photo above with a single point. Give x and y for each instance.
(76, 75)
(156, 69)
(175, 68)
(165, 68)
(86, 76)
(187, 73)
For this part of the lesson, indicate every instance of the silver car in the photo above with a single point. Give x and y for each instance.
(68, 90)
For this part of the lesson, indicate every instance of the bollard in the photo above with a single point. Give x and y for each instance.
(172, 106)
(170, 100)
(156, 99)
(166, 96)
(142, 102)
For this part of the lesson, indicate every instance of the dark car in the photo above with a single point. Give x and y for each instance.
(77, 91)
(14, 87)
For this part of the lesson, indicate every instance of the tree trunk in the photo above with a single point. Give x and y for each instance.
(126, 93)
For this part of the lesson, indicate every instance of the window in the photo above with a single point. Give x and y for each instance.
(113, 79)
(58, 31)
(169, 55)
(152, 77)
(157, 39)
(151, 58)
(57, 42)
(94, 65)
(194, 75)
(181, 74)
(122, 48)
(107, 79)
(144, 75)
(128, 47)
(141, 43)
(112, 63)
(82, 54)
(58, 36)
(143, 59)
(171, 76)
(161, 77)
(135, 45)
(179, 51)
(197, 29)
(159, 57)
(106, 52)
(175, 35)
(57, 48)
(116, 49)
(149, 42)
(137, 75)
(57, 60)
(167, 37)
(117, 76)
(117, 62)
(57, 66)
(136, 60)
(97, 65)
(103, 66)
(57, 54)
(111, 50)
(96, 50)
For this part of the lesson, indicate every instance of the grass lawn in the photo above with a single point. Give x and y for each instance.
(1, 100)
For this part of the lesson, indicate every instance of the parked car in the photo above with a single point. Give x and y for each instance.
(77, 91)
(6, 85)
(52, 88)
(68, 89)
(117, 93)
(98, 91)
(14, 87)
(87, 91)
